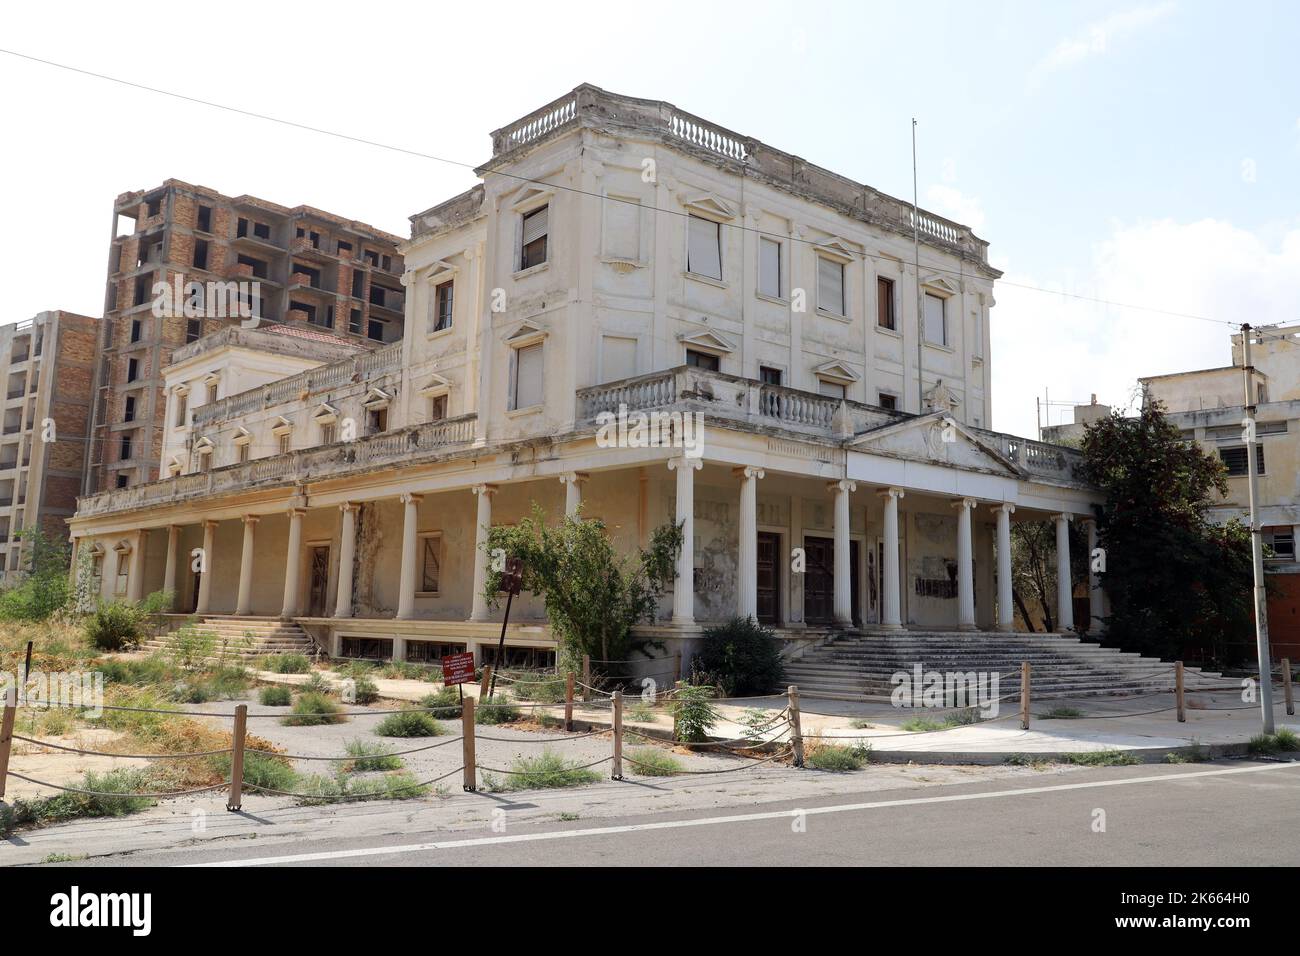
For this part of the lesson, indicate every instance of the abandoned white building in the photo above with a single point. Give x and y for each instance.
(617, 254)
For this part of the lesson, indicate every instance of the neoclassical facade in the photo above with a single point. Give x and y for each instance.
(621, 265)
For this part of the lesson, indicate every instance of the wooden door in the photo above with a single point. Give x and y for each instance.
(769, 578)
(318, 601)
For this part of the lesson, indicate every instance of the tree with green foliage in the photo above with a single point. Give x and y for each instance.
(1177, 582)
(44, 586)
(594, 596)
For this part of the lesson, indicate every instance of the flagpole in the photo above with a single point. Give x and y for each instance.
(916, 264)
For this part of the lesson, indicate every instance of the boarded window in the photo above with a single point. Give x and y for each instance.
(431, 564)
(528, 376)
(936, 320)
(769, 267)
(831, 389)
(830, 286)
(623, 228)
(704, 248)
(618, 358)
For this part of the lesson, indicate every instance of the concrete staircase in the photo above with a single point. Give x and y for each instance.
(859, 665)
(248, 638)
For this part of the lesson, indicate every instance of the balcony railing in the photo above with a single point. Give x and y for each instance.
(308, 464)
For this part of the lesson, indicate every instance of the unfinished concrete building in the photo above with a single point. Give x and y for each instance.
(46, 364)
(228, 259)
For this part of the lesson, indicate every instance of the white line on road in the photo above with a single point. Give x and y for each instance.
(736, 818)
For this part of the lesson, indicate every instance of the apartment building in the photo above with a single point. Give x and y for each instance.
(1209, 406)
(621, 259)
(185, 261)
(46, 365)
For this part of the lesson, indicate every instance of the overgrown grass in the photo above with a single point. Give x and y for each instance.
(927, 724)
(286, 663)
(120, 786)
(861, 723)
(312, 709)
(409, 723)
(1061, 713)
(838, 758)
(694, 714)
(275, 695)
(546, 771)
(496, 710)
(1283, 741)
(368, 757)
(223, 682)
(1195, 754)
(400, 785)
(653, 762)
(364, 690)
(443, 704)
(537, 686)
(643, 712)
(1101, 758)
(261, 770)
(1027, 760)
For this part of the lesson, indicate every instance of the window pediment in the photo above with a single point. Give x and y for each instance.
(204, 445)
(836, 372)
(710, 205)
(376, 398)
(940, 285)
(242, 436)
(837, 249)
(532, 198)
(281, 426)
(435, 386)
(708, 340)
(528, 333)
(325, 414)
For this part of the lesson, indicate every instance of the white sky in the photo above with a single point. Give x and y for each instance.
(1091, 143)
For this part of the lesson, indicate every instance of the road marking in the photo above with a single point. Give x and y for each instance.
(735, 818)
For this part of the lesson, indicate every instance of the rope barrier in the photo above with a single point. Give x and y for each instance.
(391, 753)
(706, 743)
(351, 796)
(549, 740)
(103, 753)
(541, 773)
(99, 793)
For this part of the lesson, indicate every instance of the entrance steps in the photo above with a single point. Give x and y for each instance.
(246, 638)
(859, 665)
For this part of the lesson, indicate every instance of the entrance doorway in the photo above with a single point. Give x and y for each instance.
(769, 578)
(819, 582)
(318, 592)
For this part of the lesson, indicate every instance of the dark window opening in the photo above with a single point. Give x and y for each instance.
(132, 369)
(305, 307)
(1236, 462)
(193, 330)
(371, 257)
(261, 230)
(375, 330)
(201, 254)
(344, 247)
(128, 409)
(142, 286)
(768, 375)
(135, 330)
(124, 447)
(358, 284)
(260, 269)
(153, 206)
(444, 301)
(354, 322)
(888, 401)
(885, 304)
(122, 479)
(710, 363)
(205, 219)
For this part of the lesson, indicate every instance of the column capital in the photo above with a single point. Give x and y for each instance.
(574, 477)
(410, 498)
(485, 489)
(210, 523)
(890, 493)
(1006, 506)
(296, 512)
(1088, 520)
(170, 528)
(1063, 516)
(842, 485)
(749, 471)
(350, 506)
(250, 519)
(690, 464)
(967, 503)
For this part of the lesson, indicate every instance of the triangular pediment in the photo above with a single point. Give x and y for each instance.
(938, 282)
(711, 205)
(325, 413)
(376, 398)
(836, 248)
(707, 339)
(937, 438)
(435, 384)
(526, 332)
(836, 372)
(532, 196)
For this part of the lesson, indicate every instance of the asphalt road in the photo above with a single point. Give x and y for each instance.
(1229, 813)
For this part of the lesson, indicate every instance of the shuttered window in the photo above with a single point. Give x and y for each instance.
(535, 231)
(831, 389)
(885, 304)
(936, 325)
(769, 267)
(528, 376)
(830, 285)
(704, 250)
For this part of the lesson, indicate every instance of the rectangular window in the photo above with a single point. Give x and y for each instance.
(200, 254)
(1234, 459)
(182, 411)
(241, 452)
(830, 286)
(376, 420)
(442, 305)
(704, 360)
(528, 376)
(430, 563)
(123, 479)
(135, 330)
(354, 321)
(143, 283)
(831, 389)
(128, 410)
(769, 267)
(1282, 543)
(704, 248)
(283, 444)
(204, 223)
(124, 450)
(936, 319)
(533, 243)
(437, 408)
(887, 401)
(328, 434)
(132, 369)
(768, 375)
(193, 330)
(885, 317)
(261, 230)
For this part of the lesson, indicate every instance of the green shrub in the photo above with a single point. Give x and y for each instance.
(409, 723)
(642, 711)
(364, 690)
(316, 683)
(536, 686)
(120, 785)
(286, 663)
(114, 625)
(693, 713)
(369, 757)
(1287, 740)
(275, 695)
(1101, 758)
(44, 587)
(653, 762)
(190, 647)
(496, 709)
(1062, 713)
(261, 770)
(444, 704)
(312, 709)
(546, 771)
(137, 672)
(329, 789)
(838, 758)
(1284, 740)
(743, 657)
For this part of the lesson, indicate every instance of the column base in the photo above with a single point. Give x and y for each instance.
(968, 628)
(889, 627)
(1009, 628)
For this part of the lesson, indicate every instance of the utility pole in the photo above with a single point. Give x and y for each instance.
(916, 264)
(1257, 538)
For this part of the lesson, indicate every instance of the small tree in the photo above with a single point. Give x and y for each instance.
(1176, 581)
(593, 595)
(44, 586)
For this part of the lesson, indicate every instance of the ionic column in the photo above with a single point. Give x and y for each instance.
(347, 554)
(205, 568)
(410, 555)
(965, 567)
(747, 555)
(573, 482)
(169, 569)
(293, 564)
(684, 588)
(245, 601)
(135, 570)
(890, 618)
(1064, 592)
(1096, 597)
(479, 609)
(1006, 603)
(843, 596)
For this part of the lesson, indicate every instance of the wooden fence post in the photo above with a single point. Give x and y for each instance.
(796, 727)
(677, 686)
(617, 773)
(1180, 692)
(568, 702)
(7, 735)
(467, 745)
(1286, 693)
(586, 677)
(237, 758)
(1024, 695)
(487, 682)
